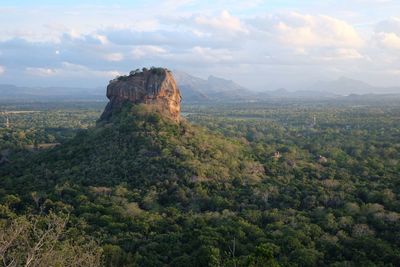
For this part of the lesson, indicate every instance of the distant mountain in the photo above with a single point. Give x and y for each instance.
(212, 89)
(346, 86)
(218, 89)
(195, 89)
(192, 88)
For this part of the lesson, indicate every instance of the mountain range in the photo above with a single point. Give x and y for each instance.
(347, 86)
(212, 89)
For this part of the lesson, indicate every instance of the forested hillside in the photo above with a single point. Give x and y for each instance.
(262, 186)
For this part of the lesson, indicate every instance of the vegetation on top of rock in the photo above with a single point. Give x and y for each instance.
(154, 70)
(158, 71)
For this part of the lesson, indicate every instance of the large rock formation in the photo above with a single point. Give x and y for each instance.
(155, 87)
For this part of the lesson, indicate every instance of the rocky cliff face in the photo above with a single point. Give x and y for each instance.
(155, 87)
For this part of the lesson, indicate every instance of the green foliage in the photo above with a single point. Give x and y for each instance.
(158, 71)
(44, 241)
(123, 78)
(156, 193)
(38, 123)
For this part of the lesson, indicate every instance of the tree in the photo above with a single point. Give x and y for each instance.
(41, 241)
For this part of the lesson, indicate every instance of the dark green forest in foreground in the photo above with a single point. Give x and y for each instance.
(280, 183)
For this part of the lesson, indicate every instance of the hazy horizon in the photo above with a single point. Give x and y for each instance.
(262, 45)
(307, 86)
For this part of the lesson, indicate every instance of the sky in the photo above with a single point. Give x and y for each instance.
(263, 45)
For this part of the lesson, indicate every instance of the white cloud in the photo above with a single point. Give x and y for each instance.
(211, 55)
(389, 40)
(97, 41)
(114, 57)
(44, 72)
(141, 51)
(101, 38)
(304, 40)
(389, 25)
(75, 34)
(68, 69)
(2, 70)
(393, 72)
(387, 34)
(224, 22)
(300, 30)
(343, 54)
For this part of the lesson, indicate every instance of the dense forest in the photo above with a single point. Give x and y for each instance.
(279, 183)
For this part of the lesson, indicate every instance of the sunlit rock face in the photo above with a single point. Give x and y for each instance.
(156, 88)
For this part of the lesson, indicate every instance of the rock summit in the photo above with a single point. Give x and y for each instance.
(155, 87)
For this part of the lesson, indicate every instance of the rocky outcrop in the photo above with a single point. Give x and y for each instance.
(155, 87)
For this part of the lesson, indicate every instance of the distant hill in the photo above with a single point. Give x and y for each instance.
(195, 89)
(211, 89)
(347, 86)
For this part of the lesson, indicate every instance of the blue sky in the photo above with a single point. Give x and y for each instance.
(263, 45)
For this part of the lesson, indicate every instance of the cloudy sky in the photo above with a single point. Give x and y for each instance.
(260, 44)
